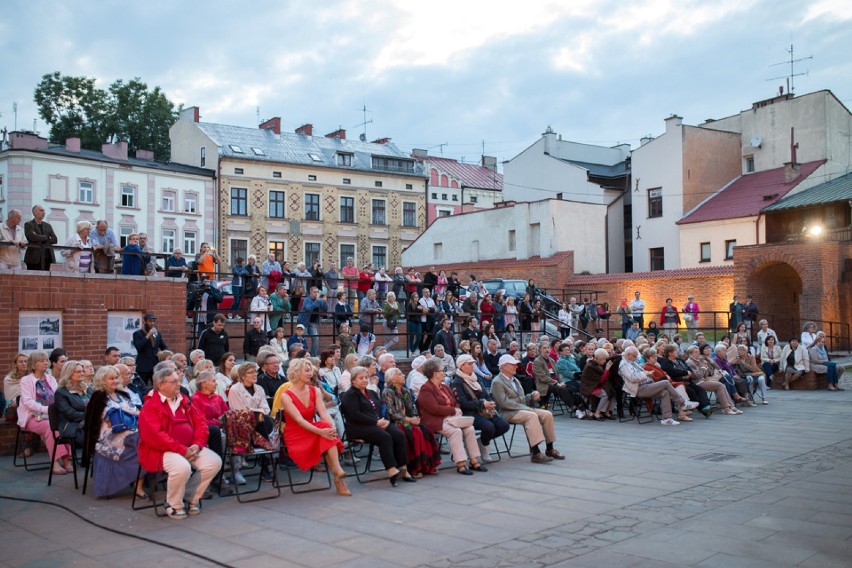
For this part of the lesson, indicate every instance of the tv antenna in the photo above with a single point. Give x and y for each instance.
(363, 135)
(439, 146)
(792, 63)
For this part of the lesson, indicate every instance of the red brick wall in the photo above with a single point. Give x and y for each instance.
(84, 302)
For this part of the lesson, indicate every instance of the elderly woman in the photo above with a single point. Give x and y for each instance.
(212, 406)
(770, 356)
(200, 366)
(477, 403)
(746, 367)
(423, 454)
(441, 412)
(71, 399)
(639, 383)
(820, 362)
(260, 307)
(246, 394)
(362, 410)
(729, 374)
(113, 437)
(678, 371)
(79, 256)
(392, 313)
(593, 383)
(37, 393)
(308, 440)
(674, 366)
(795, 362)
(809, 335)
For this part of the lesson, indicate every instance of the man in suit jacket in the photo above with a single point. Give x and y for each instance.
(515, 408)
(148, 343)
(546, 383)
(39, 232)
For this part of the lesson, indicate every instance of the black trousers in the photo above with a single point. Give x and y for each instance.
(391, 442)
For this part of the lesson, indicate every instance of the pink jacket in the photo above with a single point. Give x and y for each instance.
(28, 405)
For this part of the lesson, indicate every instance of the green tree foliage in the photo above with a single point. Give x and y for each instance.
(73, 106)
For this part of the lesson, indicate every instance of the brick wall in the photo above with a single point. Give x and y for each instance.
(84, 301)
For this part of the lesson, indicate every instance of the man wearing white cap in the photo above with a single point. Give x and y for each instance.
(514, 408)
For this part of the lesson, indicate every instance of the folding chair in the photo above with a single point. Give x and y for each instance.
(152, 479)
(635, 406)
(53, 417)
(260, 456)
(21, 447)
(284, 463)
(357, 447)
(508, 445)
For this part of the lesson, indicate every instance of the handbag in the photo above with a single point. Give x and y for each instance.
(121, 420)
(275, 435)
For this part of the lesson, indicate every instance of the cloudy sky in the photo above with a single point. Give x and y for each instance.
(443, 75)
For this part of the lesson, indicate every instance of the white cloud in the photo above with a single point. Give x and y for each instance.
(839, 9)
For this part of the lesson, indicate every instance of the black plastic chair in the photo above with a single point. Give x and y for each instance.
(637, 409)
(53, 417)
(507, 445)
(284, 462)
(20, 448)
(260, 456)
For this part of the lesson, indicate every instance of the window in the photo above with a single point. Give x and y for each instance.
(315, 157)
(190, 203)
(258, 152)
(238, 170)
(312, 253)
(380, 256)
(444, 213)
(128, 196)
(658, 258)
(239, 201)
(168, 240)
(347, 209)
(2, 194)
(189, 239)
(346, 251)
(434, 195)
(445, 181)
(409, 186)
(409, 214)
(379, 184)
(655, 203)
(729, 249)
(168, 203)
(312, 177)
(455, 197)
(276, 205)
(444, 196)
(312, 212)
(347, 181)
(124, 232)
(512, 240)
(749, 164)
(236, 149)
(278, 248)
(344, 160)
(87, 192)
(437, 249)
(276, 174)
(378, 212)
(393, 165)
(203, 156)
(473, 199)
(239, 249)
(705, 252)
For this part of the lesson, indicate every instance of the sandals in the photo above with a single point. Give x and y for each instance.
(172, 513)
(193, 509)
(143, 496)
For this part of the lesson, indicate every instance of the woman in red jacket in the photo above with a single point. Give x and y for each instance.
(173, 438)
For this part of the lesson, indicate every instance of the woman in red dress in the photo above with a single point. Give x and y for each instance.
(308, 440)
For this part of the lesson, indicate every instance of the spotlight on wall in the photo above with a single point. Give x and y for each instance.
(815, 230)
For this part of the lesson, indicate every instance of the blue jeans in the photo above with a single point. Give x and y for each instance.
(313, 333)
(414, 332)
(490, 428)
(237, 291)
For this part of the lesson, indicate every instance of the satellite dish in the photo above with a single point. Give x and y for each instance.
(755, 141)
(362, 137)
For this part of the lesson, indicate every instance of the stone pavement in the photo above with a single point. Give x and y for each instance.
(768, 488)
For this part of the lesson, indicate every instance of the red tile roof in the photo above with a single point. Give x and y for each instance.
(592, 279)
(470, 175)
(748, 194)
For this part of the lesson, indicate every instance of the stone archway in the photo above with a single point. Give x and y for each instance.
(777, 288)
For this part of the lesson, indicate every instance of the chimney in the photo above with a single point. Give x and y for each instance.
(306, 129)
(419, 153)
(673, 122)
(144, 154)
(381, 140)
(191, 114)
(117, 151)
(645, 139)
(72, 145)
(339, 133)
(549, 141)
(791, 171)
(273, 124)
(489, 162)
(27, 141)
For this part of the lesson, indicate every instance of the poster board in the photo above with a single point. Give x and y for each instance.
(39, 330)
(120, 328)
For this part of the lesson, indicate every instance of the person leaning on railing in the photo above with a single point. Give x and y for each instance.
(39, 233)
(13, 234)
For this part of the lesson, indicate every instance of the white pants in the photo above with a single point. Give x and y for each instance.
(461, 438)
(179, 469)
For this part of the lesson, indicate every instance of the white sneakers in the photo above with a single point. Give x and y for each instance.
(669, 422)
(690, 405)
(580, 414)
(732, 411)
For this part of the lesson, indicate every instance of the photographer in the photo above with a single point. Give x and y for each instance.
(148, 343)
(203, 297)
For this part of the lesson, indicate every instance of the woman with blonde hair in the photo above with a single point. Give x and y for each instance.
(71, 399)
(38, 390)
(79, 256)
(12, 386)
(345, 380)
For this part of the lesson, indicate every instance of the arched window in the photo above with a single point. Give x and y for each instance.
(434, 176)
(454, 184)
(445, 181)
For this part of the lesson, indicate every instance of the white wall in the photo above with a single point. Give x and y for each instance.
(659, 163)
(484, 235)
(716, 233)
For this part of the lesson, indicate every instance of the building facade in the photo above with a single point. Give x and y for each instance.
(172, 203)
(305, 197)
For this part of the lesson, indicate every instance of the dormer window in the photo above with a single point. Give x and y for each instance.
(236, 149)
(344, 160)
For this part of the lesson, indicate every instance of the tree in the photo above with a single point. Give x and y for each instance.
(73, 106)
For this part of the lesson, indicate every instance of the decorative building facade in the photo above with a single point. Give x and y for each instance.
(305, 197)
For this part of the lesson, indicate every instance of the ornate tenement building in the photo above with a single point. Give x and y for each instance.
(306, 197)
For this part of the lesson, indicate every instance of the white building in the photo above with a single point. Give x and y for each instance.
(171, 202)
(555, 168)
(516, 231)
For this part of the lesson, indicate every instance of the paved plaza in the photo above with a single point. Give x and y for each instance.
(768, 488)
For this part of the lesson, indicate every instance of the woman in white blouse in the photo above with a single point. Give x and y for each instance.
(80, 256)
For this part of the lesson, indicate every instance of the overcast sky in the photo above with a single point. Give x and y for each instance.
(438, 72)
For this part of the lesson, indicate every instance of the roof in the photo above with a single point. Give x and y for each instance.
(264, 145)
(602, 170)
(470, 175)
(747, 195)
(555, 260)
(593, 279)
(61, 150)
(838, 189)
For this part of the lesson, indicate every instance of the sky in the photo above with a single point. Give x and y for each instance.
(450, 77)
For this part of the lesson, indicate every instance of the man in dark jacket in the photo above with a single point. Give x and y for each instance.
(445, 337)
(148, 343)
(39, 232)
(214, 340)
